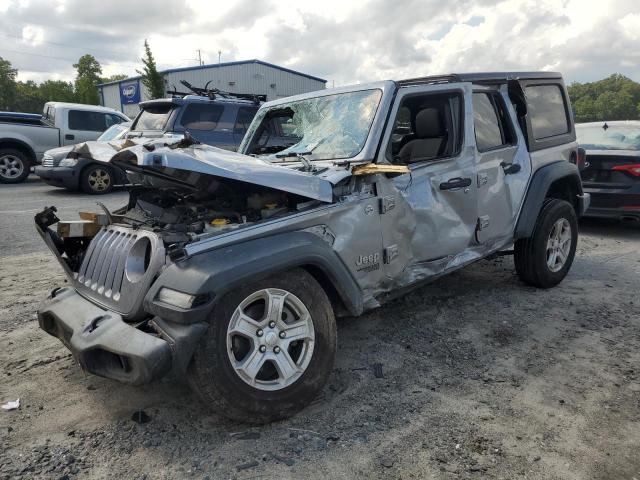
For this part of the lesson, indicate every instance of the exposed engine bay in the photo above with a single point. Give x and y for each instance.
(176, 214)
(181, 214)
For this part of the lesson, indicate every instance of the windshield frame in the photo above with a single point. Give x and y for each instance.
(611, 128)
(120, 127)
(372, 140)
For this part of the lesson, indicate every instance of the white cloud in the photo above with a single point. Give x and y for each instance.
(342, 41)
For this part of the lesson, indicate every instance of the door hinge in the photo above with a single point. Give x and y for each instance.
(483, 222)
(387, 203)
(483, 178)
(390, 253)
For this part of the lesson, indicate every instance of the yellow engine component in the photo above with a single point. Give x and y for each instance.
(220, 222)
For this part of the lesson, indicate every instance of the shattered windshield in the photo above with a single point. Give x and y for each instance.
(321, 128)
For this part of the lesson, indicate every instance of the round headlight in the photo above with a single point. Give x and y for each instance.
(138, 260)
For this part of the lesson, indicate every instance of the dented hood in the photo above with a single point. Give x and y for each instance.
(152, 159)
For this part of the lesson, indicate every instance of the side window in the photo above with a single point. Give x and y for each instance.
(426, 127)
(546, 109)
(86, 120)
(243, 120)
(490, 121)
(201, 116)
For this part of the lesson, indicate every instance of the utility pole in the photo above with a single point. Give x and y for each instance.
(199, 57)
(219, 54)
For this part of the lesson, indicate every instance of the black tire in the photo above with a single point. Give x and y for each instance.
(97, 179)
(530, 254)
(211, 373)
(15, 165)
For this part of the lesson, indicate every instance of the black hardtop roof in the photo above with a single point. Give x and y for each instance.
(480, 77)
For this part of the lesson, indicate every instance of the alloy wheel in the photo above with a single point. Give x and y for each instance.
(558, 245)
(11, 166)
(270, 339)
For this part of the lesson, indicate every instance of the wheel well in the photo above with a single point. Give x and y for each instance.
(566, 188)
(22, 147)
(339, 308)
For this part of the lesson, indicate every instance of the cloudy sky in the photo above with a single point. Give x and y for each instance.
(340, 40)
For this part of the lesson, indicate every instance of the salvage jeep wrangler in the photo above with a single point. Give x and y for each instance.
(231, 267)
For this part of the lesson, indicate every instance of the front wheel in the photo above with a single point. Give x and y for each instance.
(269, 349)
(96, 180)
(14, 166)
(544, 259)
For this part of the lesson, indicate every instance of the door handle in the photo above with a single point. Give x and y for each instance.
(510, 168)
(68, 136)
(454, 183)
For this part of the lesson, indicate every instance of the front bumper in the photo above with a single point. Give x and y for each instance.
(102, 343)
(64, 177)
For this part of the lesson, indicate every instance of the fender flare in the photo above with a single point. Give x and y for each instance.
(20, 145)
(217, 272)
(539, 186)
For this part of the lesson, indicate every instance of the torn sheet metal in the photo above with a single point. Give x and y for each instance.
(205, 159)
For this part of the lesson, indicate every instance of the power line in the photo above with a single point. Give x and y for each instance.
(39, 55)
(112, 52)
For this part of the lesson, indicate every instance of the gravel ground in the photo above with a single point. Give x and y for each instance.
(475, 376)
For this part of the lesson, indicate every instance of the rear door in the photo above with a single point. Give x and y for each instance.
(502, 172)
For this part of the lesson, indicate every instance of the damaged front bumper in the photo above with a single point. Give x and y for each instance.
(105, 345)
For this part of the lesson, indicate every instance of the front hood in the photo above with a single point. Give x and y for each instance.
(159, 160)
(60, 152)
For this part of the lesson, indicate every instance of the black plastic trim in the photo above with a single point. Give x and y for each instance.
(219, 271)
(540, 183)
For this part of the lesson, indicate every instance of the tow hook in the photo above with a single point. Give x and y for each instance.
(93, 324)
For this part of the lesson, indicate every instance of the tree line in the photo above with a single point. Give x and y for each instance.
(614, 98)
(30, 97)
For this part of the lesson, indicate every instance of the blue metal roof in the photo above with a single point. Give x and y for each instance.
(226, 64)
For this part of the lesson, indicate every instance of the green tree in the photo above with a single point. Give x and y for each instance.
(151, 78)
(114, 78)
(87, 80)
(613, 98)
(28, 97)
(8, 85)
(57, 91)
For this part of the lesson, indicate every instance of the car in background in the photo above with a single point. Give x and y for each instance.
(212, 117)
(24, 137)
(81, 173)
(610, 169)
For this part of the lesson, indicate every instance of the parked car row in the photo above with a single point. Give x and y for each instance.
(24, 138)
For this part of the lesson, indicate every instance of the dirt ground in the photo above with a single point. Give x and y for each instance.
(482, 377)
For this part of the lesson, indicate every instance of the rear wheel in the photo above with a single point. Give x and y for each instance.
(544, 259)
(96, 179)
(14, 166)
(269, 349)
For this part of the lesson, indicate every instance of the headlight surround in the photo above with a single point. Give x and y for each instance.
(175, 298)
(178, 299)
(68, 162)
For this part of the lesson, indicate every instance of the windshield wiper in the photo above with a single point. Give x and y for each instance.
(292, 154)
(300, 156)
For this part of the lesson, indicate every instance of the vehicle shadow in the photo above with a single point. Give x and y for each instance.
(610, 228)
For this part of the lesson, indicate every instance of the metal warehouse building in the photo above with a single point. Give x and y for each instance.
(250, 76)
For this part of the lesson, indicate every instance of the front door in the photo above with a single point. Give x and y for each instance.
(428, 215)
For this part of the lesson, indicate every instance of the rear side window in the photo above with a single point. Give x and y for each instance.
(490, 121)
(243, 120)
(199, 116)
(547, 112)
(86, 120)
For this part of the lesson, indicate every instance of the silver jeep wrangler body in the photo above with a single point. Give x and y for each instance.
(231, 267)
